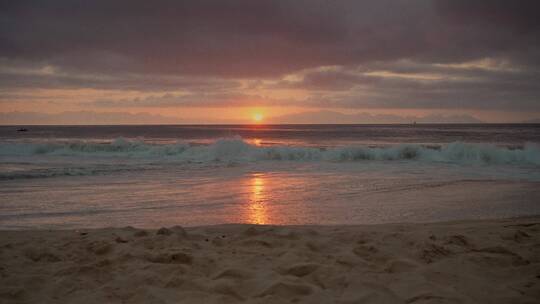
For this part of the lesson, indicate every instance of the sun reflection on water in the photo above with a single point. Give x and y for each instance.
(257, 210)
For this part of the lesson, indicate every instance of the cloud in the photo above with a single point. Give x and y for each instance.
(84, 118)
(333, 117)
(244, 38)
(432, 54)
(485, 84)
(189, 100)
(24, 75)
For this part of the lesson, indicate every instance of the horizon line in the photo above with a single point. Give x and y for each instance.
(277, 124)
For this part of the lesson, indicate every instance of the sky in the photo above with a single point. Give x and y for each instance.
(305, 61)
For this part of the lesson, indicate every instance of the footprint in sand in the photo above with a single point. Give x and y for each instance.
(300, 270)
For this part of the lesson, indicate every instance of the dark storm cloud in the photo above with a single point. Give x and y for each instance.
(177, 44)
(201, 37)
(497, 28)
(256, 38)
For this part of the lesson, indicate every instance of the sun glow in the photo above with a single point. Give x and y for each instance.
(258, 117)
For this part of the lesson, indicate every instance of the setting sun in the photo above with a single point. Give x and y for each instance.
(258, 117)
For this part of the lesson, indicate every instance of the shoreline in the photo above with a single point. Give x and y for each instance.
(469, 261)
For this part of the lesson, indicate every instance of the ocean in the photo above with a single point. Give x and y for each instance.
(164, 175)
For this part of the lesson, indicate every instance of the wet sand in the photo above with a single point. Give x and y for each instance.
(492, 261)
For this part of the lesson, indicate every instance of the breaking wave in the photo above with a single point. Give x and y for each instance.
(236, 149)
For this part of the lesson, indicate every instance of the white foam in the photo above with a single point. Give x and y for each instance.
(236, 149)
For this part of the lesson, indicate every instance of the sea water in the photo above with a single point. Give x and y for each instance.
(152, 176)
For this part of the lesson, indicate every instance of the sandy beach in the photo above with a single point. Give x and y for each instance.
(493, 261)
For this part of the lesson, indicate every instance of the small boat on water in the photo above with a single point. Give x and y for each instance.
(22, 130)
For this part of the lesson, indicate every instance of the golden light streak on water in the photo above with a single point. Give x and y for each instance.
(257, 209)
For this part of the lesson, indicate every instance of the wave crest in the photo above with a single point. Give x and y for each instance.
(236, 149)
